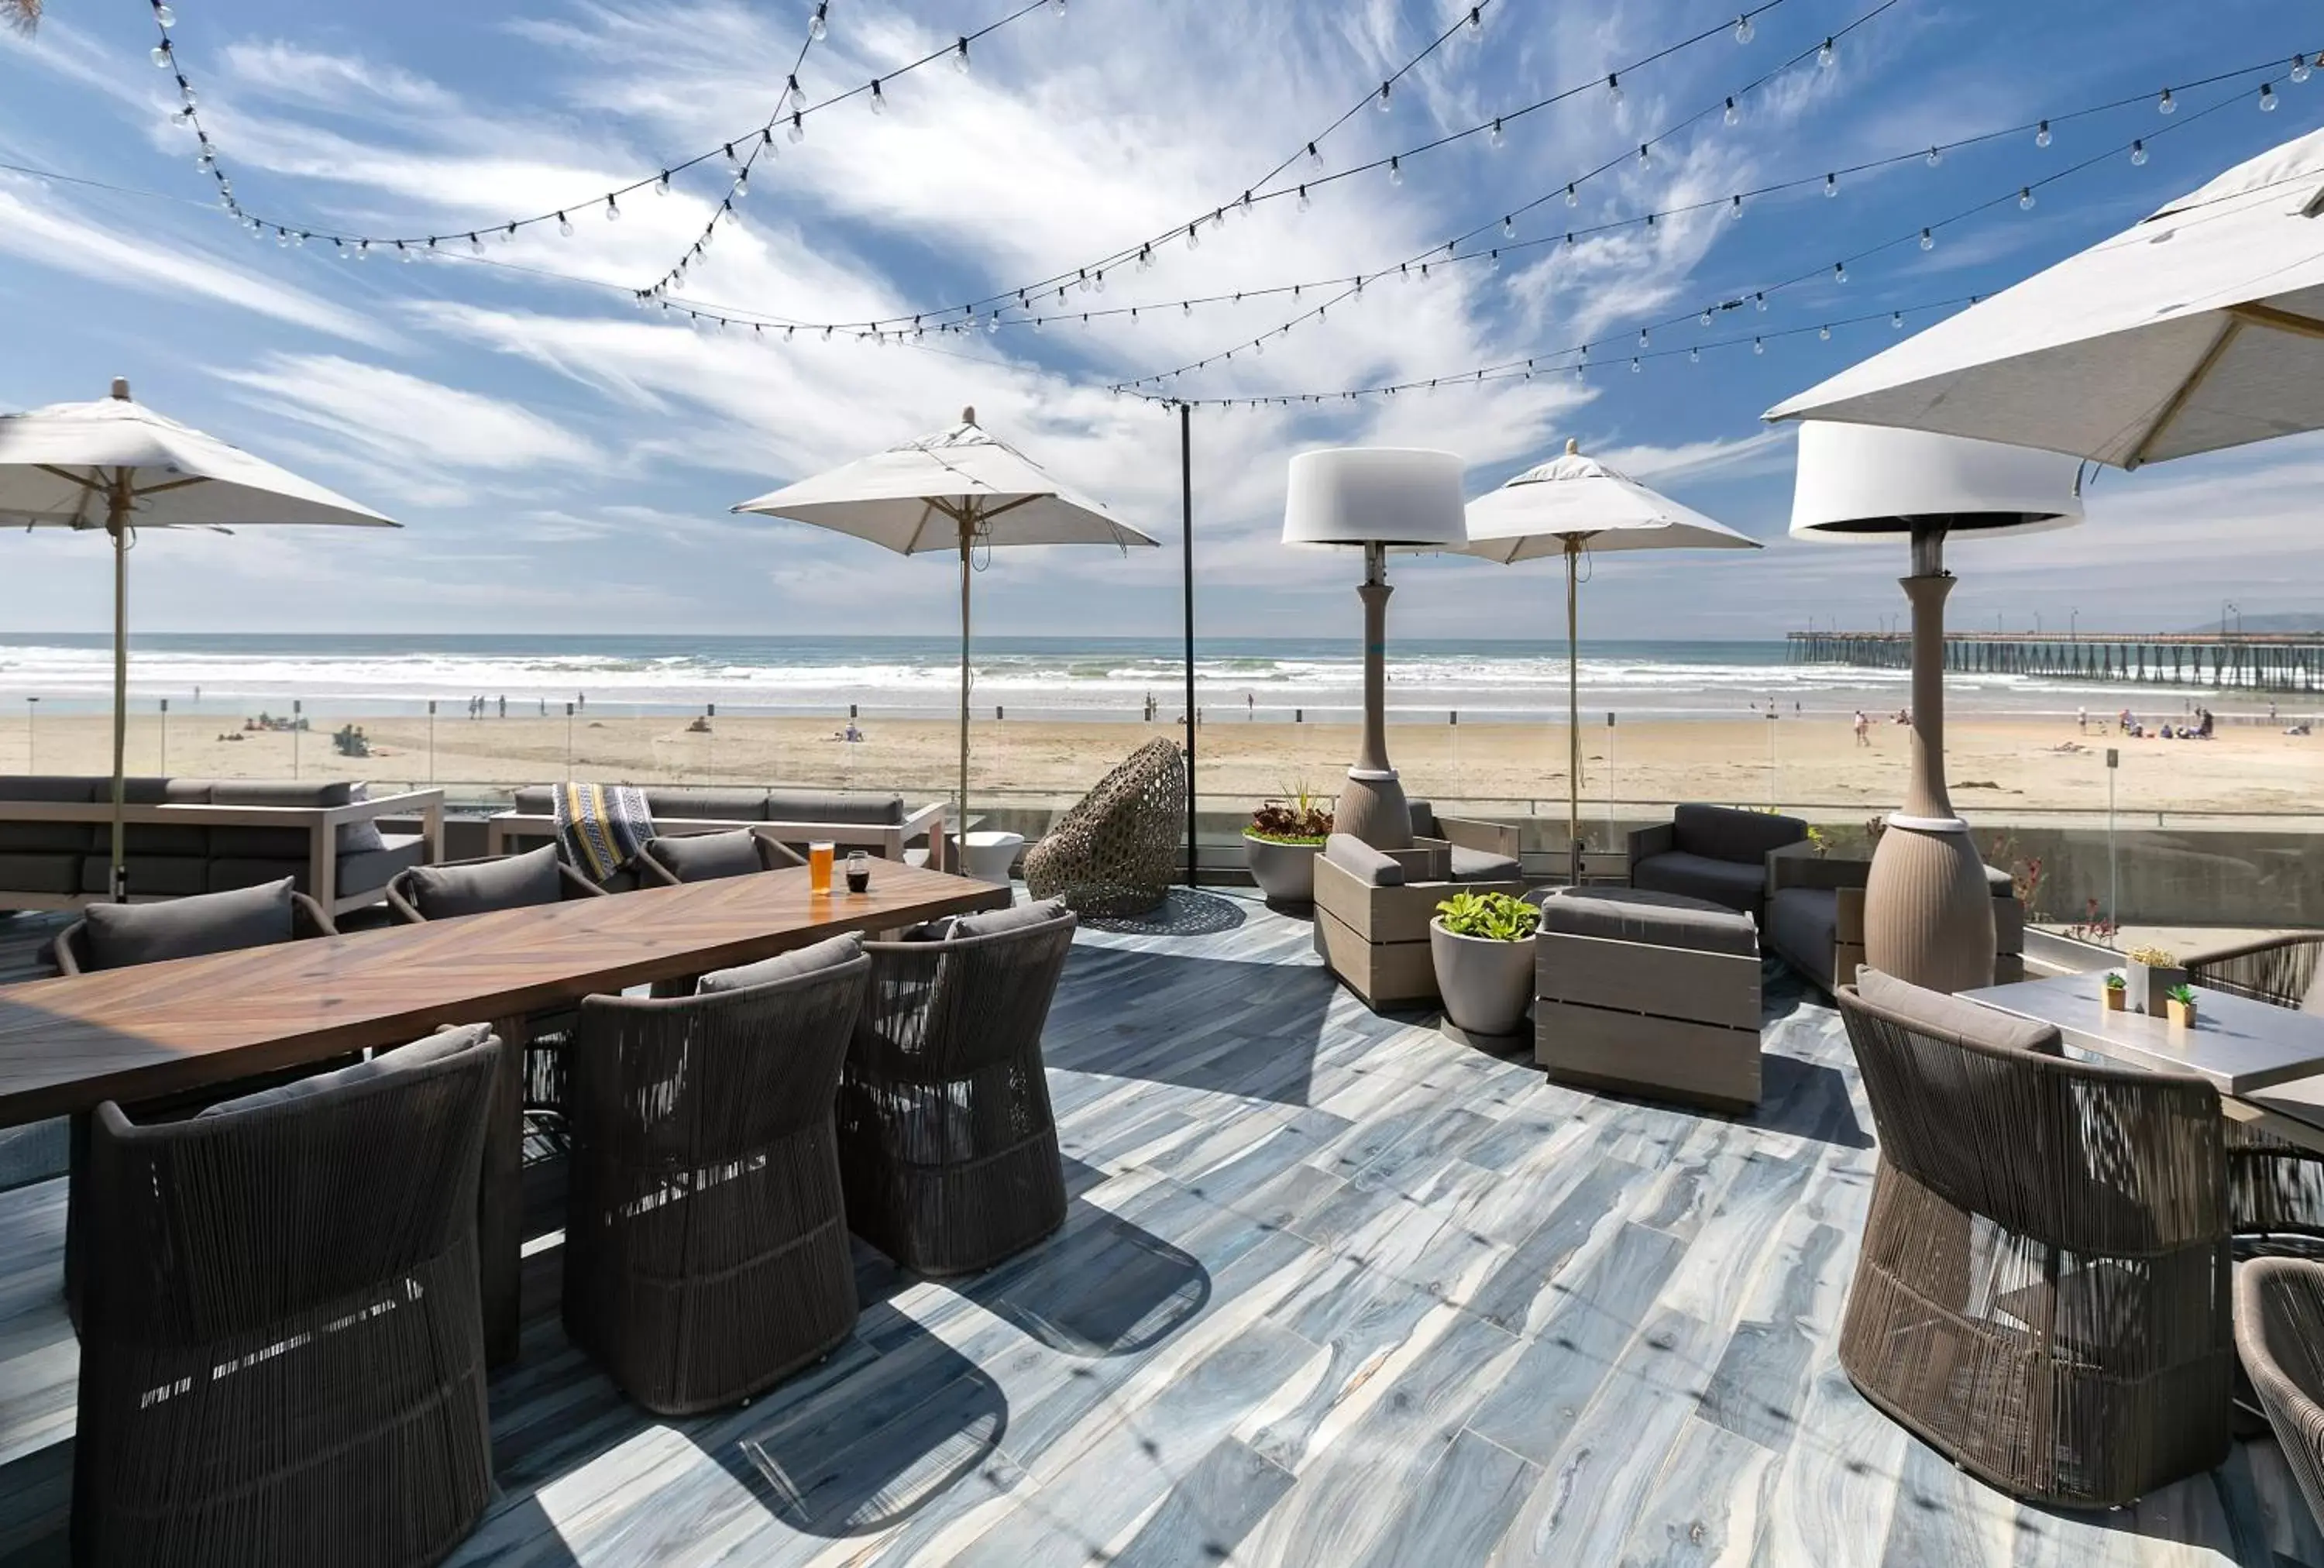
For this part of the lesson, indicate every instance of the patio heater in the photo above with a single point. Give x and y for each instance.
(1379, 498)
(1928, 912)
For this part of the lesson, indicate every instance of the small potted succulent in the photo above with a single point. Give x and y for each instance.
(1281, 843)
(1482, 944)
(2114, 991)
(2180, 1000)
(2153, 973)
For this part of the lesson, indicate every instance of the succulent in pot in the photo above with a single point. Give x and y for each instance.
(2180, 1002)
(1281, 843)
(2116, 990)
(1482, 947)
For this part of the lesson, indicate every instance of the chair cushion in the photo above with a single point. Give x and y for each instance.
(1372, 867)
(707, 805)
(24, 871)
(1423, 818)
(121, 935)
(360, 837)
(1952, 1017)
(276, 841)
(52, 787)
(1802, 924)
(830, 806)
(1724, 833)
(821, 955)
(516, 882)
(434, 1047)
(1016, 918)
(703, 857)
(1734, 884)
(1658, 919)
(1482, 865)
(160, 875)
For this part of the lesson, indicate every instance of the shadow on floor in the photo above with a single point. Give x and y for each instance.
(1806, 1100)
(1102, 1286)
(1124, 1013)
(1185, 912)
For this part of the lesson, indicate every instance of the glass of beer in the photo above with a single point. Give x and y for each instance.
(818, 867)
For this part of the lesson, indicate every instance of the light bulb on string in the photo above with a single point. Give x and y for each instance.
(1497, 137)
(1476, 21)
(2267, 98)
(1313, 157)
(1840, 271)
(1832, 185)
(1146, 258)
(1572, 199)
(661, 186)
(1735, 206)
(1642, 338)
(734, 163)
(741, 187)
(565, 226)
(363, 250)
(1395, 169)
(1496, 255)
(161, 54)
(1633, 366)
(879, 99)
(1733, 116)
(1896, 320)
(2299, 68)
(1694, 356)
(475, 246)
(816, 24)
(2025, 198)
(1936, 156)
(1304, 203)
(1826, 54)
(1759, 345)
(960, 57)
(1098, 283)
(1194, 237)
(165, 16)
(1704, 319)
(2042, 135)
(1743, 28)
(798, 131)
(1613, 87)
(2138, 154)
(2166, 104)
(1645, 156)
(1387, 96)
(281, 236)
(1760, 301)
(1058, 6)
(1508, 227)
(1825, 333)
(1083, 282)
(1928, 240)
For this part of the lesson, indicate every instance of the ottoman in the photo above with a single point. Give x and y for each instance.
(1648, 993)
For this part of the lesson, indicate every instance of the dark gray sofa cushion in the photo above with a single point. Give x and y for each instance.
(516, 882)
(1724, 833)
(1801, 923)
(833, 806)
(357, 873)
(707, 805)
(1660, 920)
(120, 935)
(272, 843)
(1482, 865)
(705, 857)
(534, 800)
(1951, 1017)
(827, 954)
(419, 1053)
(52, 787)
(1372, 867)
(151, 837)
(24, 871)
(155, 875)
(44, 837)
(1016, 918)
(1733, 883)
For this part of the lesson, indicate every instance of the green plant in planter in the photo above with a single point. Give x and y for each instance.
(2184, 995)
(1300, 819)
(2116, 982)
(1494, 916)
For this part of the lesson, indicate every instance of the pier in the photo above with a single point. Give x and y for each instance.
(2288, 661)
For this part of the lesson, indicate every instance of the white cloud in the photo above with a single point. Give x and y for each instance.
(392, 416)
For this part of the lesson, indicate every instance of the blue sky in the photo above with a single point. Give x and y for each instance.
(565, 462)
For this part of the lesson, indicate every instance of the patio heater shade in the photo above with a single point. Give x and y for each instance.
(1399, 498)
(1869, 483)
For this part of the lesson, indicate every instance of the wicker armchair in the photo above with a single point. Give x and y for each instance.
(947, 1144)
(281, 1345)
(2274, 1188)
(2279, 1334)
(701, 857)
(1116, 853)
(71, 952)
(2042, 1290)
(705, 1241)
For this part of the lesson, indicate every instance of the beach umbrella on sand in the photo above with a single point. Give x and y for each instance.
(118, 467)
(1564, 507)
(2199, 327)
(959, 491)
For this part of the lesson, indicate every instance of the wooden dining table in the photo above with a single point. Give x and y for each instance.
(67, 1045)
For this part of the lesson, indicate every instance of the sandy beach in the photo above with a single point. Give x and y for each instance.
(1998, 763)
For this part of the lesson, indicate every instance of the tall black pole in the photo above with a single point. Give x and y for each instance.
(1186, 544)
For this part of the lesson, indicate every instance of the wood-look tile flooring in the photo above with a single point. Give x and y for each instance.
(1333, 1290)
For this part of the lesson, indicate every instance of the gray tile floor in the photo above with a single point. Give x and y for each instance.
(1333, 1290)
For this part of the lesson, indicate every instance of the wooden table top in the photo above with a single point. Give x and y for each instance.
(2240, 1045)
(68, 1044)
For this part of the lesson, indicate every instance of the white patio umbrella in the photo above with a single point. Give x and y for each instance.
(955, 491)
(1566, 506)
(116, 466)
(2199, 327)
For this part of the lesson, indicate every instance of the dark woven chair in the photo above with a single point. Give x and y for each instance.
(705, 1241)
(946, 1140)
(281, 1346)
(2276, 1189)
(2042, 1290)
(73, 953)
(702, 857)
(2280, 1335)
(1116, 853)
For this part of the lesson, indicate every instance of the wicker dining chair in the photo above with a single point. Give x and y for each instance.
(1116, 853)
(947, 1144)
(2280, 1335)
(282, 1340)
(701, 857)
(705, 1240)
(2275, 1188)
(187, 927)
(2043, 1290)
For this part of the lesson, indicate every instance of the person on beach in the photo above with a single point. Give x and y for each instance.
(2082, 720)
(1863, 729)
(504, 704)
(1250, 707)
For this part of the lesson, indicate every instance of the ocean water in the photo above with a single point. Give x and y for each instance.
(1031, 677)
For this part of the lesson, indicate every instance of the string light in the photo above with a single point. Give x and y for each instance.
(2026, 198)
(2138, 154)
(960, 57)
(2042, 135)
(2166, 104)
(1496, 137)
(1928, 240)
(879, 99)
(1840, 271)
(1733, 118)
(1832, 185)
(1826, 55)
(1613, 87)
(612, 212)
(1395, 171)
(1387, 96)
(1743, 28)
(2267, 98)
(564, 226)
(2299, 68)
(817, 24)
(1936, 156)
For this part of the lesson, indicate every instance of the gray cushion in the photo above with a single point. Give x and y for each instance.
(704, 857)
(516, 882)
(2000, 884)
(1482, 865)
(1373, 867)
(1659, 919)
(707, 805)
(357, 873)
(360, 837)
(1737, 884)
(829, 806)
(1801, 923)
(161, 875)
(278, 843)
(65, 786)
(43, 837)
(534, 800)
(1016, 918)
(1951, 1017)
(120, 935)
(434, 1047)
(821, 955)
(1423, 818)
(1724, 833)
(26, 872)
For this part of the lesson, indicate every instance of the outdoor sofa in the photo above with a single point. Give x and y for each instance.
(882, 824)
(201, 836)
(1814, 917)
(1373, 906)
(1712, 852)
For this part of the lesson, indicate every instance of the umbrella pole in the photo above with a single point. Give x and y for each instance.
(967, 538)
(1573, 717)
(1186, 544)
(117, 523)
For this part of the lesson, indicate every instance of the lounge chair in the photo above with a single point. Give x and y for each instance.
(282, 1345)
(2041, 1294)
(705, 1240)
(701, 857)
(1712, 852)
(2280, 1336)
(947, 1145)
(1373, 906)
(1116, 852)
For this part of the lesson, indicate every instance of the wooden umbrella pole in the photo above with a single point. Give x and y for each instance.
(1573, 714)
(117, 523)
(967, 541)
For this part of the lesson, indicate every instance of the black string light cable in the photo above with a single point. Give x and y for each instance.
(411, 246)
(1574, 359)
(1452, 257)
(1728, 106)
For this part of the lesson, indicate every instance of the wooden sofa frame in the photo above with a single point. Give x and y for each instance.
(887, 838)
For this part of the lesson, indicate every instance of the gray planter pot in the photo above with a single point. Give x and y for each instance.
(1284, 872)
(1487, 985)
(2150, 986)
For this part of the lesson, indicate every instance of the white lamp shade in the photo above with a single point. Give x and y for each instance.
(1409, 497)
(1871, 482)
